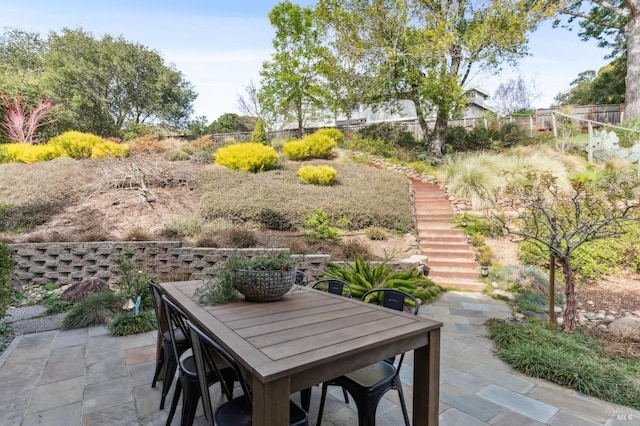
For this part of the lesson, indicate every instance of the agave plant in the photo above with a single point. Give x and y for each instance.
(364, 276)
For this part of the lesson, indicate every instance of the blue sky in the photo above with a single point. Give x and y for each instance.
(219, 45)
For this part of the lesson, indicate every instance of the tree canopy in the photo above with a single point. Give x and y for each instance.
(231, 123)
(607, 86)
(426, 51)
(98, 85)
(616, 26)
(290, 86)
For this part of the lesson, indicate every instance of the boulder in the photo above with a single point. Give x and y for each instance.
(626, 326)
(80, 290)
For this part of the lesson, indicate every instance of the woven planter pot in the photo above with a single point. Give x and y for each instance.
(263, 286)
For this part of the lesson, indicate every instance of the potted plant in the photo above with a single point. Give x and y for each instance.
(264, 278)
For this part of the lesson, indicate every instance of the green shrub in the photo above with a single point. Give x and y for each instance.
(627, 139)
(511, 134)
(320, 227)
(24, 153)
(332, 133)
(97, 309)
(375, 233)
(317, 175)
(259, 135)
(390, 133)
(177, 155)
(80, 145)
(7, 266)
(127, 323)
(134, 279)
(574, 360)
(353, 248)
(249, 157)
(316, 145)
(295, 150)
(364, 276)
(531, 302)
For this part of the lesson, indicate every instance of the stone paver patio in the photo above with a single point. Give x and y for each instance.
(86, 376)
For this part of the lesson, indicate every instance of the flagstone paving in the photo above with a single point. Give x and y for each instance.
(87, 377)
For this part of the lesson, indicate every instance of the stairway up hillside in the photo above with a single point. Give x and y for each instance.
(449, 257)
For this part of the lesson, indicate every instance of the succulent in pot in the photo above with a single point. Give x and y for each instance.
(266, 277)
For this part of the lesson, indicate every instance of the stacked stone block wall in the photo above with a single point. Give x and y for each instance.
(65, 263)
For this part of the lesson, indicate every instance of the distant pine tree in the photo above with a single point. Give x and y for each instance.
(259, 135)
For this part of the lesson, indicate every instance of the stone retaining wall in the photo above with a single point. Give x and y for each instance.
(65, 263)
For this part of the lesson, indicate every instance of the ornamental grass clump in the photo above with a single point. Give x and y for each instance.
(317, 175)
(249, 157)
(573, 360)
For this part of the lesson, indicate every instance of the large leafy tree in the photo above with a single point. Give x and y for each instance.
(607, 86)
(290, 83)
(104, 84)
(426, 51)
(616, 26)
(230, 123)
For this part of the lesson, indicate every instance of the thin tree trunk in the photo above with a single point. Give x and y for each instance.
(632, 95)
(570, 314)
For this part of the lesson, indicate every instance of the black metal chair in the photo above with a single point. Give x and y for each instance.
(166, 360)
(301, 278)
(334, 286)
(188, 378)
(367, 385)
(236, 411)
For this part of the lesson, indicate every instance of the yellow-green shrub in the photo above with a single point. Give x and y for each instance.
(75, 144)
(296, 150)
(317, 175)
(249, 157)
(332, 133)
(316, 145)
(109, 149)
(25, 153)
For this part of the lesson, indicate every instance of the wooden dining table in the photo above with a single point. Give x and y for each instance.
(309, 337)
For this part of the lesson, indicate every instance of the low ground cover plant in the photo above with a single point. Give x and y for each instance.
(573, 360)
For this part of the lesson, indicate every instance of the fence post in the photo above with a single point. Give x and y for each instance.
(531, 126)
(486, 125)
(553, 125)
(590, 142)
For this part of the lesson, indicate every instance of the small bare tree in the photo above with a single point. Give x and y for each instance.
(515, 95)
(534, 208)
(21, 123)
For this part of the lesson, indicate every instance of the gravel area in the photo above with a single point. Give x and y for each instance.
(31, 319)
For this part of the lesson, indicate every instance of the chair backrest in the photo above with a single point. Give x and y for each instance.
(177, 319)
(334, 286)
(301, 278)
(392, 298)
(204, 348)
(156, 298)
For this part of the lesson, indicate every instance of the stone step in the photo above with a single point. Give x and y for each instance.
(442, 238)
(448, 254)
(426, 246)
(443, 232)
(452, 263)
(466, 285)
(453, 273)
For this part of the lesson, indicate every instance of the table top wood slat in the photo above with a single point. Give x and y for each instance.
(297, 311)
(316, 324)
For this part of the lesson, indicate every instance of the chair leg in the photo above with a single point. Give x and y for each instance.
(323, 397)
(403, 405)
(305, 399)
(159, 366)
(190, 398)
(170, 367)
(174, 402)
